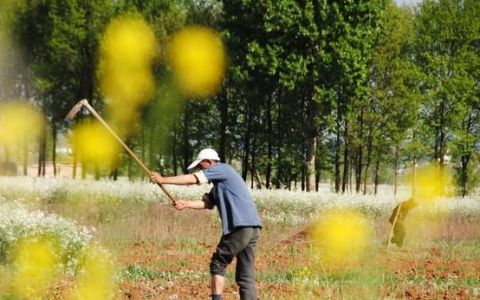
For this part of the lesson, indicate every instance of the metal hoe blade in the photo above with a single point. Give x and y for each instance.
(74, 111)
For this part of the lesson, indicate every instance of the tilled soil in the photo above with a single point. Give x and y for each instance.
(423, 273)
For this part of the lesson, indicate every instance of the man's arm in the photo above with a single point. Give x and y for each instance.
(182, 204)
(393, 215)
(187, 179)
(206, 202)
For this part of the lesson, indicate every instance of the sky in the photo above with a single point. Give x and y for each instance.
(408, 2)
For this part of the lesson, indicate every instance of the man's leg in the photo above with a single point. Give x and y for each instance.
(399, 234)
(245, 271)
(230, 245)
(218, 266)
(218, 282)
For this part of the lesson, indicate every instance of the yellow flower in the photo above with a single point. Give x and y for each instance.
(340, 237)
(198, 59)
(20, 123)
(96, 277)
(35, 265)
(95, 144)
(127, 51)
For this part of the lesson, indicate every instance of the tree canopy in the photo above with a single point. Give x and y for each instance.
(351, 93)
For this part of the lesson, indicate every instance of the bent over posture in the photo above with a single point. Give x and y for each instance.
(240, 220)
(397, 217)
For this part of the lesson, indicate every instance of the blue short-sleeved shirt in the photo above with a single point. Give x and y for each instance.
(232, 197)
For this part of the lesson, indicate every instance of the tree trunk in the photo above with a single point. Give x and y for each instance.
(435, 149)
(345, 158)
(174, 150)
(84, 169)
(311, 146)
(442, 148)
(395, 185)
(25, 157)
(464, 174)
(186, 145)
(113, 171)
(42, 149)
(96, 170)
(377, 175)
(310, 162)
(367, 166)
(268, 171)
(442, 136)
(441, 188)
(143, 145)
(129, 162)
(6, 150)
(54, 148)
(258, 181)
(303, 175)
(114, 163)
(246, 142)
(253, 167)
(358, 169)
(223, 108)
(279, 143)
(350, 174)
(337, 156)
(414, 174)
(75, 163)
(151, 148)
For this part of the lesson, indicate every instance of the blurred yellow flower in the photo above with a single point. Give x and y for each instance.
(340, 237)
(20, 123)
(96, 277)
(198, 59)
(35, 264)
(432, 182)
(94, 144)
(127, 51)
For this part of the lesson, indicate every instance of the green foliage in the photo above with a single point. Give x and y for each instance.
(13, 74)
(60, 38)
(332, 89)
(447, 53)
(392, 112)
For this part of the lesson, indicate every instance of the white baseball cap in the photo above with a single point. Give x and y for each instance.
(207, 153)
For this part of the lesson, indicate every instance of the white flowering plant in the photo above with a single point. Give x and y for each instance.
(17, 222)
(279, 206)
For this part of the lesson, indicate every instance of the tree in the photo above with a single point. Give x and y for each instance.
(162, 115)
(349, 31)
(447, 53)
(14, 76)
(395, 78)
(59, 39)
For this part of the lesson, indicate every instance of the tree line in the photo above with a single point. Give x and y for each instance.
(347, 92)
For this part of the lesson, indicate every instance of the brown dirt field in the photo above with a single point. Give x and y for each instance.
(174, 249)
(146, 253)
(433, 268)
(418, 273)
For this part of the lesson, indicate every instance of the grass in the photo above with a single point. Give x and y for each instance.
(142, 273)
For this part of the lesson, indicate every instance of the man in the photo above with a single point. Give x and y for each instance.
(240, 220)
(398, 215)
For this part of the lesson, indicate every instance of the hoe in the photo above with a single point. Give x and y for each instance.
(84, 103)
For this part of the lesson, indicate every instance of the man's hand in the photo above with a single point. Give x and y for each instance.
(181, 204)
(156, 178)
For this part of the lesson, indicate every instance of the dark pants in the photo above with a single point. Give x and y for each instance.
(240, 244)
(398, 234)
